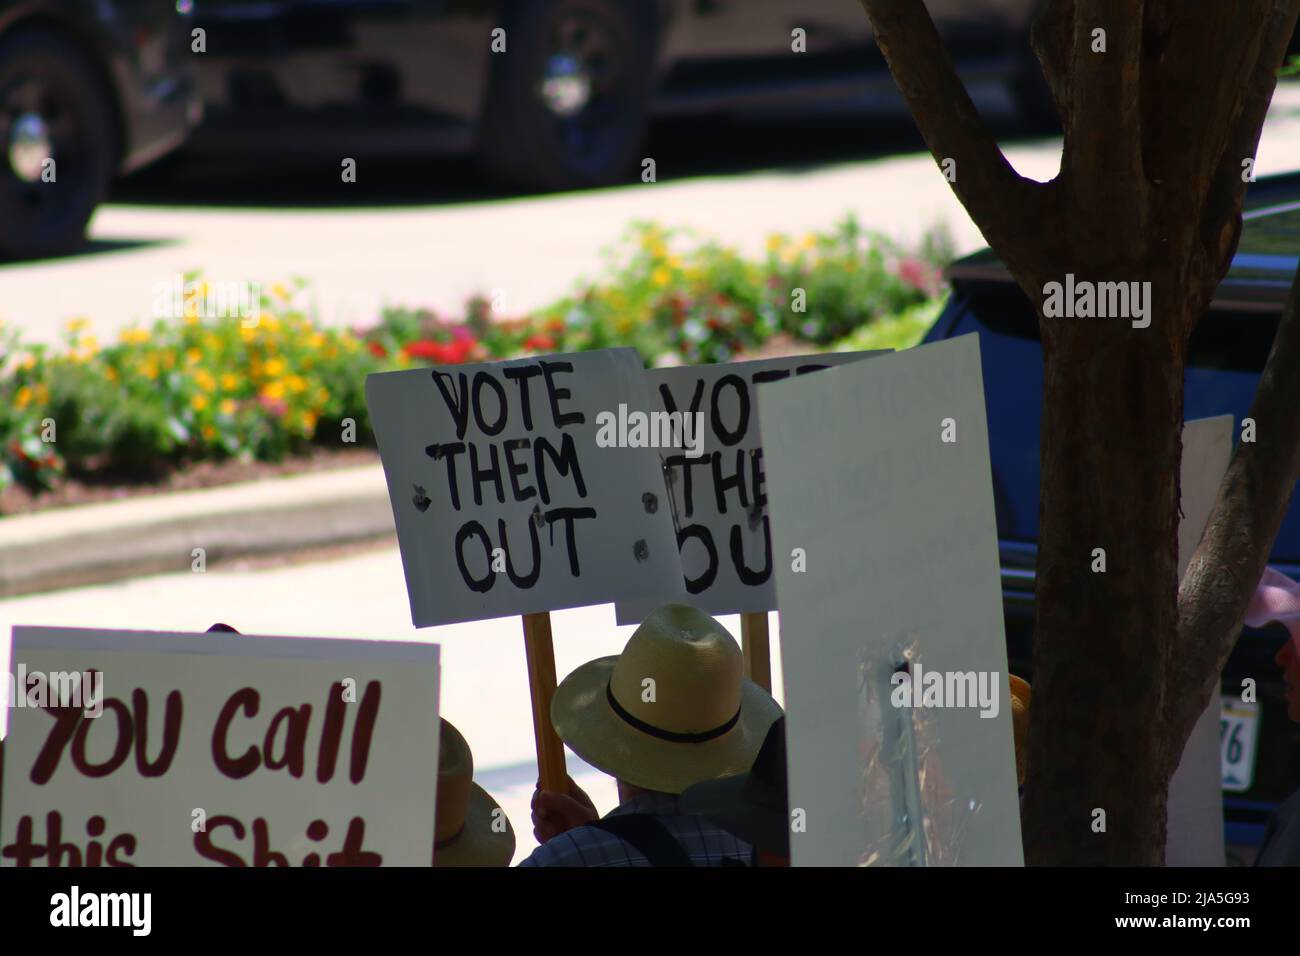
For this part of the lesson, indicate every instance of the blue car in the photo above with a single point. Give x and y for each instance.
(1260, 745)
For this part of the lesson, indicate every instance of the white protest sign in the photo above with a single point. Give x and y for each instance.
(898, 715)
(216, 749)
(717, 490)
(506, 502)
(1194, 834)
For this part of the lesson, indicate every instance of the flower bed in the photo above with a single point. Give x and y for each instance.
(199, 389)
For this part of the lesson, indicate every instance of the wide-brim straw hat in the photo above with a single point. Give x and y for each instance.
(673, 709)
(470, 828)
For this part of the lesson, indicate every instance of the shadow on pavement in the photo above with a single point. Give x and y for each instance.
(91, 248)
(681, 148)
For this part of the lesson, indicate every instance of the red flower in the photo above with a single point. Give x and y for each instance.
(377, 350)
(455, 352)
(914, 273)
(423, 349)
(540, 342)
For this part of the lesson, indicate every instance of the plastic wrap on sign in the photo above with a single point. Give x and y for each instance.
(907, 800)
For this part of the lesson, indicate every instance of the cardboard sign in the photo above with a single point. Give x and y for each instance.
(511, 492)
(718, 494)
(217, 749)
(1194, 836)
(885, 548)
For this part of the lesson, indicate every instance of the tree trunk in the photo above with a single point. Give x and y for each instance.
(1161, 102)
(1112, 419)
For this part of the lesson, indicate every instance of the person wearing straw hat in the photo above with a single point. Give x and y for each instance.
(672, 710)
(1277, 598)
(470, 828)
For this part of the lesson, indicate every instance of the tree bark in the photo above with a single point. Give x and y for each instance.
(1156, 128)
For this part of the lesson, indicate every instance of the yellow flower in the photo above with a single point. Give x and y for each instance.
(193, 356)
(208, 432)
(247, 332)
(273, 390)
(41, 394)
(191, 320)
(27, 361)
(661, 277)
(23, 397)
(775, 242)
(809, 241)
(316, 340)
(203, 378)
(229, 381)
(149, 368)
(110, 373)
(274, 368)
(76, 325)
(168, 360)
(309, 422)
(280, 292)
(134, 336)
(227, 407)
(199, 402)
(296, 384)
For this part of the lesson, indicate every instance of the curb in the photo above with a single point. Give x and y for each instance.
(96, 544)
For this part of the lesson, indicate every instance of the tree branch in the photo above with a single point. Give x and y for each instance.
(1052, 39)
(1253, 499)
(1004, 205)
(1103, 161)
(1227, 190)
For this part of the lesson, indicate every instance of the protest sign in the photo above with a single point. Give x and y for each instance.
(512, 495)
(1194, 836)
(523, 487)
(885, 551)
(174, 749)
(717, 490)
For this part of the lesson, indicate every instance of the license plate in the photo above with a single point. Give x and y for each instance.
(1237, 729)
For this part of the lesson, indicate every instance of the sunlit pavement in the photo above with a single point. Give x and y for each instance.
(485, 683)
(529, 250)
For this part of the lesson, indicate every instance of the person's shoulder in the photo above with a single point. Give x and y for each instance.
(566, 849)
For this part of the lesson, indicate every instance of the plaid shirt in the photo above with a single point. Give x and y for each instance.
(705, 843)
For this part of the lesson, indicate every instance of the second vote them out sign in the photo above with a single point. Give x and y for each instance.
(143, 748)
(512, 494)
(717, 490)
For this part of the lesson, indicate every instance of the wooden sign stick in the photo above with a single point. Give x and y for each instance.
(541, 684)
(754, 642)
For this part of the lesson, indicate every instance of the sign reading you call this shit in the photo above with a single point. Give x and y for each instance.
(141, 748)
(505, 502)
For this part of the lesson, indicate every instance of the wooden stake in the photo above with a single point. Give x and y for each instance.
(541, 683)
(754, 642)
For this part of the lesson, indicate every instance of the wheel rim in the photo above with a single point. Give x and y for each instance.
(40, 120)
(586, 90)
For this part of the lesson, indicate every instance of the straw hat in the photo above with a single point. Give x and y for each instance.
(673, 709)
(1020, 723)
(463, 832)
